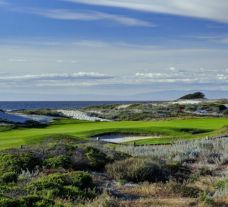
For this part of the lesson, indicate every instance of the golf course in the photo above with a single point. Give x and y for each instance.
(166, 131)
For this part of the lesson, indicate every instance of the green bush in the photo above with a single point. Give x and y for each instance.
(221, 184)
(68, 185)
(9, 177)
(97, 159)
(17, 162)
(29, 161)
(9, 162)
(36, 201)
(60, 161)
(137, 170)
(206, 199)
(6, 202)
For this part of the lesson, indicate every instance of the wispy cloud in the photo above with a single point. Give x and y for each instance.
(223, 39)
(208, 9)
(58, 76)
(201, 76)
(116, 67)
(63, 14)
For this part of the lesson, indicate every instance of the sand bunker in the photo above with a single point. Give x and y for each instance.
(121, 138)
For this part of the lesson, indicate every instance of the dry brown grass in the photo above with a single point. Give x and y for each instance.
(205, 183)
(159, 202)
(222, 201)
(157, 194)
(104, 200)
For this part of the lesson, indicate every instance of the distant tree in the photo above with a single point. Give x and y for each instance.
(222, 107)
(197, 95)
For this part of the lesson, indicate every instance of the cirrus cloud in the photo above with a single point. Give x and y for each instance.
(208, 9)
(58, 76)
(64, 14)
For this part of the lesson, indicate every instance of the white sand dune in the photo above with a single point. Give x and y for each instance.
(75, 114)
(188, 101)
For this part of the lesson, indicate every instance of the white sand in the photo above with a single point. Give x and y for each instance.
(187, 102)
(75, 114)
(123, 106)
(118, 138)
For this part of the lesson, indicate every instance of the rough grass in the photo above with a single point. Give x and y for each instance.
(169, 130)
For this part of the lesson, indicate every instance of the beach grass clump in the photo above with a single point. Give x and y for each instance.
(204, 150)
(104, 200)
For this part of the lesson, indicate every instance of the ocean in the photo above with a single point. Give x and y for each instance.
(18, 105)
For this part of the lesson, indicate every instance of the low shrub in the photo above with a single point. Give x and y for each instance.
(9, 162)
(36, 201)
(221, 184)
(9, 177)
(137, 170)
(186, 191)
(7, 202)
(60, 161)
(17, 162)
(66, 186)
(177, 171)
(103, 200)
(96, 159)
(206, 199)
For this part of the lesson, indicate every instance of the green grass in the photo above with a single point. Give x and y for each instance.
(80, 130)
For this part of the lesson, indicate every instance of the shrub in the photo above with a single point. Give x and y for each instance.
(36, 201)
(177, 171)
(9, 177)
(60, 161)
(206, 199)
(137, 170)
(16, 163)
(103, 200)
(9, 162)
(29, 161)
(97, 159)
(186, 191)
(69, 185)
(221, 184)
(6, 202)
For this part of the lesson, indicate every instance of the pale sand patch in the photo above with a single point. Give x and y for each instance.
(124, 106)
(188, 102)
(75, 114)
(121, 138)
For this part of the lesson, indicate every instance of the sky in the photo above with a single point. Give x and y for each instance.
(77, 50)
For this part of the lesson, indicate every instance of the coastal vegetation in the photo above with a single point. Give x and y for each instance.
(65, 173)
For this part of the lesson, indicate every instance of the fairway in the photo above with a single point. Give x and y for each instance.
(168, 130)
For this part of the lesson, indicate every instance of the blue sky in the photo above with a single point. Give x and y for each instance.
(112, 49)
